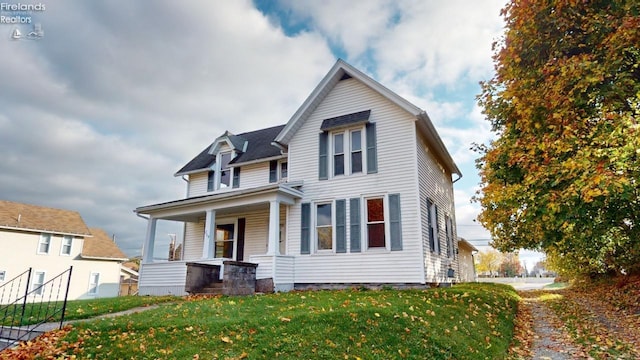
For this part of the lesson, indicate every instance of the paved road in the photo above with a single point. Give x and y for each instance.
(521, 283)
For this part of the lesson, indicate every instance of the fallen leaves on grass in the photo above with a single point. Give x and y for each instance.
(45, 346)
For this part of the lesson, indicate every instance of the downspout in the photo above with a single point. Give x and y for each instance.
(188, 184)
(459, 177)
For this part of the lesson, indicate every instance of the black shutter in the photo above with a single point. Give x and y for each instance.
(395, 223)
(240, 245)
(354, 220)
(273, 171)
(437, 231)
(432, 244)
(323, 163)
(305, 228)
(341, 226)
(372, 156)
(236, 177)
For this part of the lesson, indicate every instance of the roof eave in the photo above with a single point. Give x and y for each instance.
(49, 231)
(438, 145)
(103, 258)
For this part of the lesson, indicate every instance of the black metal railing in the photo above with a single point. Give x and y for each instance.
(27, 302)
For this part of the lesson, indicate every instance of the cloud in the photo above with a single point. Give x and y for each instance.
(99, 114)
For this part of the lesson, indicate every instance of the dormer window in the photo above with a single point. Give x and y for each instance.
(225, 170)
(222, 175)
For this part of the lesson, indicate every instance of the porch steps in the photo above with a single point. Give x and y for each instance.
(214, 288)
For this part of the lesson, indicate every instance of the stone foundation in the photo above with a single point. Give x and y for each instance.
(239, 278)
(264, 286)
(370, 286)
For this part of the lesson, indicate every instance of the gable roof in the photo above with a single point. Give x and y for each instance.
(258, 147)
(18, 216)
(342, 70)
(101, 247)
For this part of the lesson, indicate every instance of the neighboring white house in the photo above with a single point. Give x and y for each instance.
(466, 262)
(355, 189)
(50, 241)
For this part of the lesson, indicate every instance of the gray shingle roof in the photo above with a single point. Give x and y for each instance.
(345, 120)
(259, 147)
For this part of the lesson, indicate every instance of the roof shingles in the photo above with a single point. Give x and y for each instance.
(101, 246)
(39, 218)
(259, 147)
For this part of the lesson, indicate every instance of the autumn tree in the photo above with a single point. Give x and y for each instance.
(563, 174)
(488, 261)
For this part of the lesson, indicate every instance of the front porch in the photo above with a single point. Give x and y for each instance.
(248, 226)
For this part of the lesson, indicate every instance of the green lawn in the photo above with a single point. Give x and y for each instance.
(470, 321)
(80, 309)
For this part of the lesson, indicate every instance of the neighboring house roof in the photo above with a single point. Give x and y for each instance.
(125, 269)
(101, 247)
(342, 70)
(466, 244)
(18, 216)
(258, 147)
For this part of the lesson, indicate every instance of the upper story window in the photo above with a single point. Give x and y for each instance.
(347, 152)
(67, 242)
(222, 175)
(347, 146)
(225, 170)
(278, 170)
(44, 244)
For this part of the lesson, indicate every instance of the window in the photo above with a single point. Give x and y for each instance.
(38, 281)
(356, 151)
(338, 154)
(347, 152)
(44, 244)
(284, 170)
(211, 180)
(67, 241)
(3, 274)
(225, 170)
(225, 236)
(375, 223)
(278, 170)
(324, 227)
(94, 283)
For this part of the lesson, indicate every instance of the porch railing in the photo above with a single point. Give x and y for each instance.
(26, 305)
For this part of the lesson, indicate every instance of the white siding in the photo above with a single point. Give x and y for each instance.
(163, 278)
(193, 240)
(254, 175)
(435, 183)
(396, 174)
(197, 184)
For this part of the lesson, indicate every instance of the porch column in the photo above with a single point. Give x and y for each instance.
(209, 235)
(149, 241)
(273, 247)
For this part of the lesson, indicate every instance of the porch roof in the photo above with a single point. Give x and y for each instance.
(189, 208)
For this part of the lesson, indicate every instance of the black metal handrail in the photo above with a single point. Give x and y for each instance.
(33, 305)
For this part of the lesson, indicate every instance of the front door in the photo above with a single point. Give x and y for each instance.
(230, 239)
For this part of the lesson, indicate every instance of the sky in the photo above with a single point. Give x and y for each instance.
(101, 102)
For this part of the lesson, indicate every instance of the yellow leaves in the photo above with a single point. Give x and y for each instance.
(376, 314)
(226, 339)
(285, 319)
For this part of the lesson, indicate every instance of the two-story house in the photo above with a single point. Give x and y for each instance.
(50, 241)
(355, 189)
